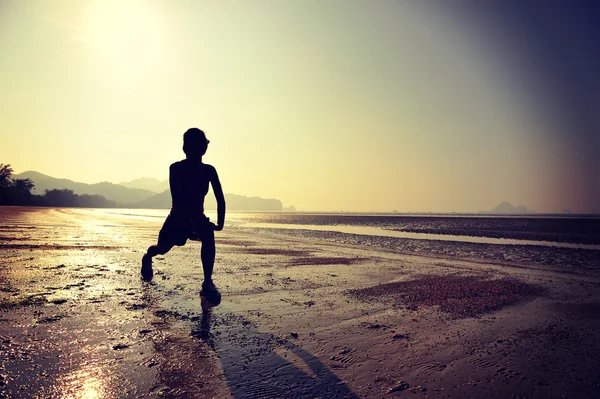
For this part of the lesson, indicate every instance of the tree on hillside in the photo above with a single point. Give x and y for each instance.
(14, 192)
(60, 198)
(18, 192)
(94, 201)
(21, 189)
(5, 175)
(68, 198)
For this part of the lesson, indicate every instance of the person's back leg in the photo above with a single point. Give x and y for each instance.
(159, 249)
(170, 235)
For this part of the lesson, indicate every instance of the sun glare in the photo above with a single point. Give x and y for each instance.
(85, 383)
(127, 35)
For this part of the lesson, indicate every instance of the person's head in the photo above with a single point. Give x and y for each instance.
(194, 143)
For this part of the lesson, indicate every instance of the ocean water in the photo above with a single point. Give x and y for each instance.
(568, 232)
(575, 232)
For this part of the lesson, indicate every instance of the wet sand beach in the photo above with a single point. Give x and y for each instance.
(305, 314)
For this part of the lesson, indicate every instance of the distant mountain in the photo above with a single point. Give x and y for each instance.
(110, 191)
(242, 203)
(508, 208)
(157, 201)
(136, 197)
(147, 183)
(234, 202)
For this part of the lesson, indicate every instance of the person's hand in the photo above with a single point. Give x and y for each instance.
(217, 227)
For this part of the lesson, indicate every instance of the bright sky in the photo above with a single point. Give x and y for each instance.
(325, 105)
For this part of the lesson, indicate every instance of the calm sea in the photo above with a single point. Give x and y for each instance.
(556, 231)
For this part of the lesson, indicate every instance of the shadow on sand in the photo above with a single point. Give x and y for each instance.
(260, 365)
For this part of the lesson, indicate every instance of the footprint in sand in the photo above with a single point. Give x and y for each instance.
(433, 366)
(50, 319)
(343, 357)
(160, 390)
(259, 391)
(508, 373)
(149, 363)
(482, 362)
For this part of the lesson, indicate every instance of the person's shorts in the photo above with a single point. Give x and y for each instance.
(178, 228)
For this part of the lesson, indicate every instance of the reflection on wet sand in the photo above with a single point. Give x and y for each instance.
(256, 364)
(218, 345)
(85, 383)
(186, 367)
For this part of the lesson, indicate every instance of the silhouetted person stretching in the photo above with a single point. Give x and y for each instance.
(189, 180)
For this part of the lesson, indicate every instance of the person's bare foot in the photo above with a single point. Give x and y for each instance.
(147, 272)
(209, 296)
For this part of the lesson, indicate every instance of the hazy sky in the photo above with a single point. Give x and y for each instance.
(325, 105)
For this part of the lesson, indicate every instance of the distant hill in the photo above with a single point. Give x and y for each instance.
(110, 191)
(242, 203)
(234, 202)
(157, 201)
(136, 197)
(147, 183)
(509, 209)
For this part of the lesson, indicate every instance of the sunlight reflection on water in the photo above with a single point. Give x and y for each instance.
(88, 382)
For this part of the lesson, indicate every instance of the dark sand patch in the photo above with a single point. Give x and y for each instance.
(51, 319)
(460, 296)
(7, 287)
(554, 332)
(18, 303)
(324, 260)
(136, 306)
(55, 247)
(12, 238)
(269, 251)
(15, 228)
(61, 266)
(580, 310)
(238, 243)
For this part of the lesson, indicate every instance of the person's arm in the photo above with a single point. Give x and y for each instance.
(218, 190)
(175, 186)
